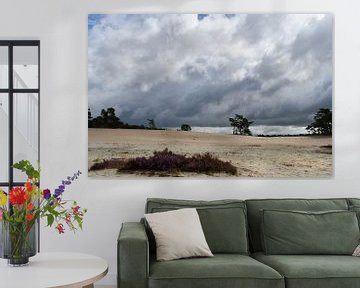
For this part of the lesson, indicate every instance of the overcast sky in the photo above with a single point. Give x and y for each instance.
(275, 69)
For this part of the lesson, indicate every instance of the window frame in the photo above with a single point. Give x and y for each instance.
(10, 91)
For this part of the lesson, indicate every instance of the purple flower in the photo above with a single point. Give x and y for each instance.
(64, 183)
(58, 192)
(46, 194)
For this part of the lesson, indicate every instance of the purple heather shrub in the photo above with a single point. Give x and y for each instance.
(167, 161)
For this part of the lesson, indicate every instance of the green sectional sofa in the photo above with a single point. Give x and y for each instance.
(245, 238)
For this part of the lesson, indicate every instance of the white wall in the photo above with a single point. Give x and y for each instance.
(3, 141)
(61, 25)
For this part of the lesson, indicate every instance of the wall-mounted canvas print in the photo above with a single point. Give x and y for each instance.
(210, 95)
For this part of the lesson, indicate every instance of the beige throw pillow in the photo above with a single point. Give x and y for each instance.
(178, 234)
(357, 251)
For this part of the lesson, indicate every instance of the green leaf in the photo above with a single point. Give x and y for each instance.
(26, 167)
(50, 219)
(52, 211)
(79, 221)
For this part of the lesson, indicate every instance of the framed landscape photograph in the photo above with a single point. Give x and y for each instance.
(210, 95)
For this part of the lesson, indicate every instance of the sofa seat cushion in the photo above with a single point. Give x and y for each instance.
(313, 271)
(222, 270)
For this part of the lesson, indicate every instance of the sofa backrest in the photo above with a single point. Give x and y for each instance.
(353, 202)
(256, 205)
(223, 221)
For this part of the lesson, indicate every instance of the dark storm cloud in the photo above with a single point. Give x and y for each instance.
(276, 69)
(315, 40)
(259, 26)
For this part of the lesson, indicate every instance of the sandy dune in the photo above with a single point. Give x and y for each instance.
(309, 156)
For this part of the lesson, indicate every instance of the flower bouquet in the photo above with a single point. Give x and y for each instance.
(21, 208)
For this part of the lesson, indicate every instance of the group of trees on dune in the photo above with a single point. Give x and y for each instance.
(322, 124)
(108, 119)
(185, 127)
(240, 125)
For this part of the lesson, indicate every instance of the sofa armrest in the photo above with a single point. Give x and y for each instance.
(133, 256)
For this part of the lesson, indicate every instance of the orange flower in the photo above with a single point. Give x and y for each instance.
(29, 186)
(29, 206)
(27, 196)
(17, 196)
(29, 217)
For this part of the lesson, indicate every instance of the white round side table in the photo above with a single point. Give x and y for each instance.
(50, 270)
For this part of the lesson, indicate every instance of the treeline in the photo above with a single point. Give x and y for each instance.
(322, 124)
(283, 135)
(108, 119)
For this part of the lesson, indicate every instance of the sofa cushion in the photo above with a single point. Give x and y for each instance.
(297, 232)
(222, 270)
(356, 209)
(223, 221)
(313, 271)
(178, 234)
(353, 201)
(254, 217)
(354, 205)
